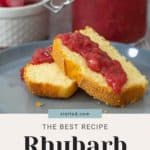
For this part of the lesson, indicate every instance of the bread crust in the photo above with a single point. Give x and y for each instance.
(104, 94)
(48, 89)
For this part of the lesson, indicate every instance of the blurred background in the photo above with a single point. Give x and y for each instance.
(61, 22)
(22, 25)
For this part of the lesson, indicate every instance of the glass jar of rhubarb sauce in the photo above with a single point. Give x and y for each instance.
(116, 20)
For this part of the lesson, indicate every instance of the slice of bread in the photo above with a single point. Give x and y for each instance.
(47, 80)
(93, 83)
(44, 78)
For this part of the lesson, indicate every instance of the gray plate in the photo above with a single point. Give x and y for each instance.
(15, 98)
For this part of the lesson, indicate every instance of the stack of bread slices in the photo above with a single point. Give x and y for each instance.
(69, 70)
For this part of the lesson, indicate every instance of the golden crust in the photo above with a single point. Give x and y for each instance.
(104, 94)
(48, 90)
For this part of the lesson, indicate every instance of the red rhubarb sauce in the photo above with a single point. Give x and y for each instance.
(116, 20)
(41, 55)
(96, 59)
(16, 3)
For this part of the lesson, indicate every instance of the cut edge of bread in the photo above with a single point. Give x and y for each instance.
(74, 66)
(43, 85)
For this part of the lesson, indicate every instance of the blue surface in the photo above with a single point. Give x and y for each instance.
(15, 98)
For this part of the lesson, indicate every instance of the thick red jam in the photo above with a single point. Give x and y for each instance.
(116, 20)
(16, 3)
(96, 59)
(21, 73)
(41, 55)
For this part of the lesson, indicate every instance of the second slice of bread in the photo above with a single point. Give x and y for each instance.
(94, 83)
(47, 80)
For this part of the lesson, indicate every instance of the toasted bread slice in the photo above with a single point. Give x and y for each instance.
(47, 80)
(93, 83)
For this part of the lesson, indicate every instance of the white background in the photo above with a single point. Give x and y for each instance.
(133, 129)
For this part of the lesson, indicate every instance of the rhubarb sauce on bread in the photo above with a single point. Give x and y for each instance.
(87, 67)
(96, 59)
